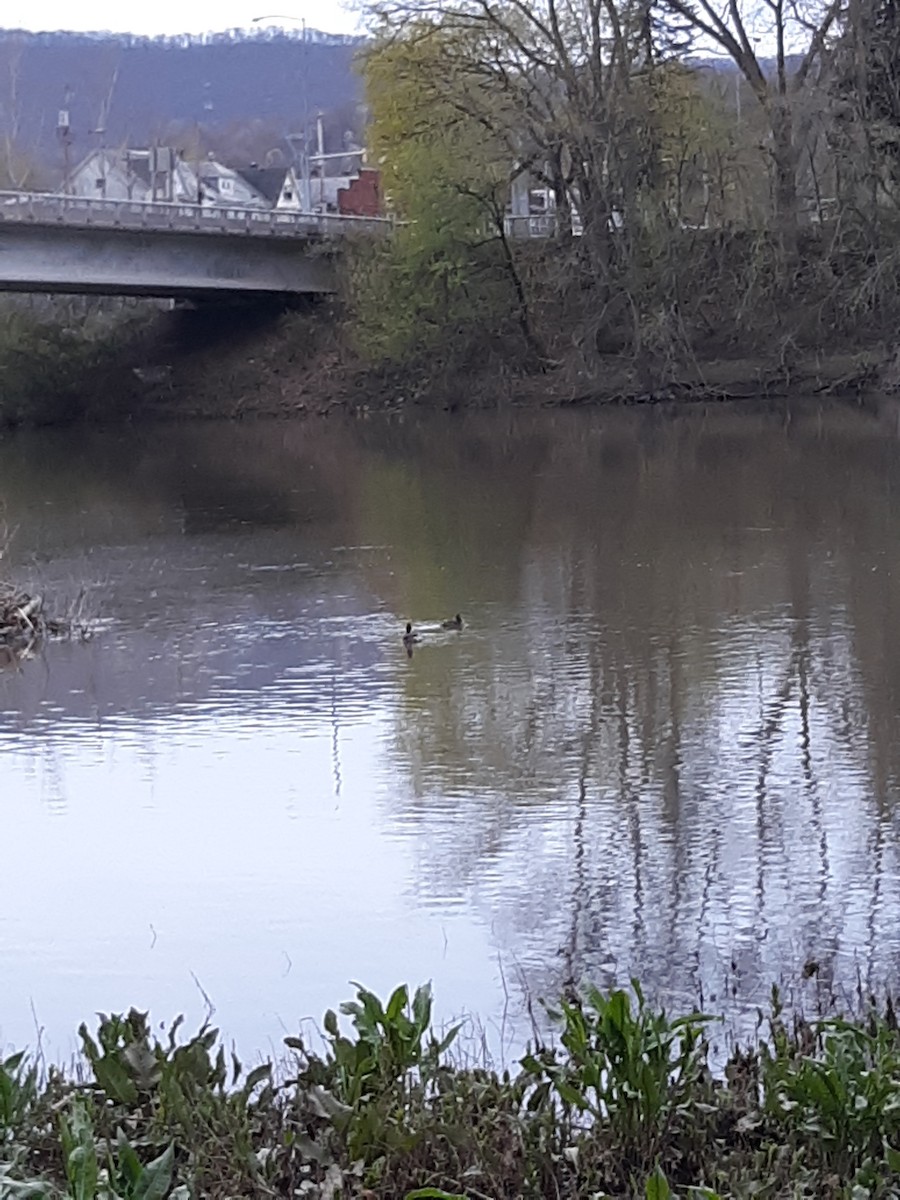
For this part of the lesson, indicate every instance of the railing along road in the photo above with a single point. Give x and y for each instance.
(45, 208)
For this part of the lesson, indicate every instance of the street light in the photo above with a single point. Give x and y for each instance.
(305, 181)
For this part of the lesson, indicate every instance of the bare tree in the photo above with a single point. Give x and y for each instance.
(554, 78)
(744, 31)
(17, 166)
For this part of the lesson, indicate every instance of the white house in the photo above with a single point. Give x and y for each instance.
(104, 175)
(155, 173)
(221, 186)
(162, 174)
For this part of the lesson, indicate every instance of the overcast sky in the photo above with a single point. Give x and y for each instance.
(174, 16)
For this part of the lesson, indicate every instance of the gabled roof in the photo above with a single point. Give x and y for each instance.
(101, 160)
(128, 160)
(211, 168)
(268, 181)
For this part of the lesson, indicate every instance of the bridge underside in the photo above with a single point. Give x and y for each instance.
(128, 262)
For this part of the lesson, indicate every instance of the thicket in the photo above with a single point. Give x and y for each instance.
(622, 1103)
(54, 353)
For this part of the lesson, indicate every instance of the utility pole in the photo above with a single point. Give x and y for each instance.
(320, 158)
(100, 134)
(64, 133)
(304, 163)
(305, 187)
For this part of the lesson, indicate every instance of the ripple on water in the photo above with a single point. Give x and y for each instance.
(664, 744)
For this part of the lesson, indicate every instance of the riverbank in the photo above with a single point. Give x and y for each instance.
(624, 1104)
(234, 363)
(63, 358)
(238, 361)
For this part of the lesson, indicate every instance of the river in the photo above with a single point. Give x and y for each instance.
(665, 744)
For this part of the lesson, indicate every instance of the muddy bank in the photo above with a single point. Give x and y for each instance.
(244, 363)
(843, 374)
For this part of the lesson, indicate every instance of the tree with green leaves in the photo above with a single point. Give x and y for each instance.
(447, 280)
(579, 94)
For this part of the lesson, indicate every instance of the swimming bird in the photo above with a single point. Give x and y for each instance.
(409, 638)
(453, 623)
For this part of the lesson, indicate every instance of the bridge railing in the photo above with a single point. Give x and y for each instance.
(47, 208)
(541, 225)
(545, 225)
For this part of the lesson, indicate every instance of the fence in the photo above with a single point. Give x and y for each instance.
(44, 208)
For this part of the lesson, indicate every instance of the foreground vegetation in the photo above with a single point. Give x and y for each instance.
(624, 1103)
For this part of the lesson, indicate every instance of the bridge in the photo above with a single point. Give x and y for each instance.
(53, 243)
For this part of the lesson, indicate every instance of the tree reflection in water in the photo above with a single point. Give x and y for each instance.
(668, 746)
(665, 742)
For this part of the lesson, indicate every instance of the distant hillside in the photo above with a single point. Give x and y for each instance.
(230, 92)
(238, 94)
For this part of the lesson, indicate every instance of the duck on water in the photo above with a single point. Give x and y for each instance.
(411, 638)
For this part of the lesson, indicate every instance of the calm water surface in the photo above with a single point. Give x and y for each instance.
(666, 744)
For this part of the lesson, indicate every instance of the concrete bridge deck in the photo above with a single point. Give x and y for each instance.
(51, 243)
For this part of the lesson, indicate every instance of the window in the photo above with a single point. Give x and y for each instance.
(226, 185)
(288, 194)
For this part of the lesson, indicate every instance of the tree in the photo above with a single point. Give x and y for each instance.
(582, 95)
(549, 80)
(865, 95)
(687, 141)
(17, 168)
(881, 63)
(739, 28)
(446, 174)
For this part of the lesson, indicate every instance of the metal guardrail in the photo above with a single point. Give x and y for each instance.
(538, 225)
(47, 208)
(534, 226)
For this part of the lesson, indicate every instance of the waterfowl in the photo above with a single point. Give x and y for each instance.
(453, 623)
(410, 638)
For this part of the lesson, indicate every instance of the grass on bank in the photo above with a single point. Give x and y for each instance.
(623, 1104)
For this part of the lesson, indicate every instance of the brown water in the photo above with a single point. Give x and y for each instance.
(666, 743)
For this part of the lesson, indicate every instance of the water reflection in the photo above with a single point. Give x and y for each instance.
(664, 744)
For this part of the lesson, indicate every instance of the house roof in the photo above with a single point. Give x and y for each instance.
(98, 160)
(128, 160)
(210, 168)
(269, 181)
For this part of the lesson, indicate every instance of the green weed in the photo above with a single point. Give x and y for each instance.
(624, 1106)
(629, 1068)
(367, 1081)
(18, 1093)
(80, 1152)
(132, 1181)
(842, 1098)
